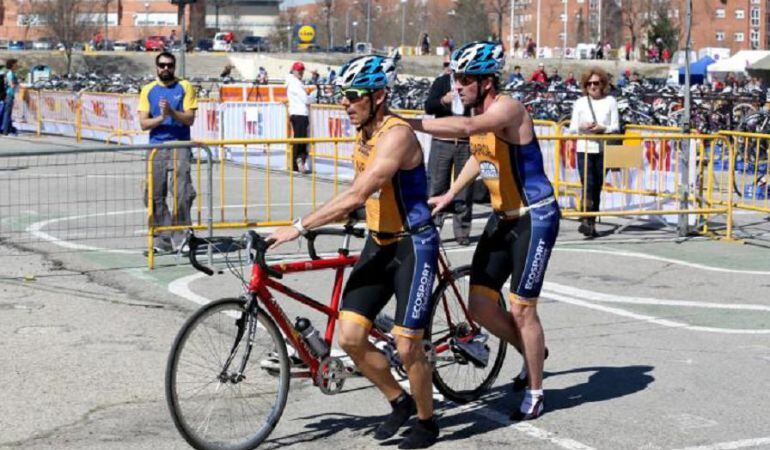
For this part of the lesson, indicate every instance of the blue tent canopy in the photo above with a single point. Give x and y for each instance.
(698, 70)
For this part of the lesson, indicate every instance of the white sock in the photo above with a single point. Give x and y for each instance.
(531, 398)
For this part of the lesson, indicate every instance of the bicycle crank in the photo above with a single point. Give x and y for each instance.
(331, 375)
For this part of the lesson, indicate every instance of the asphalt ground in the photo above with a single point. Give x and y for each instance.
(656, 342)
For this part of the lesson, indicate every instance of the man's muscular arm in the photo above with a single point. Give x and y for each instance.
(501, 114)
(396, 149)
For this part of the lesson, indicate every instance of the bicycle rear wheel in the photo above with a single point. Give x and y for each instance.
(454, 376)
(218, 391)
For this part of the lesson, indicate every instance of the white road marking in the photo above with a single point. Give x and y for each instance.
(523, 427)
(663, 259)
(746, 443)
(646, 318)
(609, 298)
(36, 230)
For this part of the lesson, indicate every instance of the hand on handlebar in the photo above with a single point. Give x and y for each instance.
(440, 202)
(281, 235)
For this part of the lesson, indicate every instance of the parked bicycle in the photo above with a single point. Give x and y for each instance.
(227, 377)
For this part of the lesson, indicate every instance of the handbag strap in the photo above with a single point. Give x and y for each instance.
(591, 107)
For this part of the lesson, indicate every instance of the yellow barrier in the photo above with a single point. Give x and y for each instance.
(645, 179)
(752, 169)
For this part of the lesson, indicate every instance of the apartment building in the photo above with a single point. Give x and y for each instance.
(128, 20)
(734, 24)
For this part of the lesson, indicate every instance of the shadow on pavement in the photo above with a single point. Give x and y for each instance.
(605, 383)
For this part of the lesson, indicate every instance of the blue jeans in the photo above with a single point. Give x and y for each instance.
(7, 126)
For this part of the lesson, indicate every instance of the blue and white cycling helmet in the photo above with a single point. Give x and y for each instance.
(478, 58)
(371, 72)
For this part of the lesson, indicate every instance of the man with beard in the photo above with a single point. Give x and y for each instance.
(522, 229)
(399, 256)
(167, 108)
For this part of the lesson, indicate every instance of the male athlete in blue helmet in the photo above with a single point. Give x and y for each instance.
(522, 229)
(399, 256)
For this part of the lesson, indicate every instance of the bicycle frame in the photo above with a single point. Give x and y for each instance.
(260, 285)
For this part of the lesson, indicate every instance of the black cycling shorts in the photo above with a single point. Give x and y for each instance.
(519, 247)
(406, 268)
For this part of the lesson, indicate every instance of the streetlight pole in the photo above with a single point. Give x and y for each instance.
(682, 223)
(369, 21)
(146, 14)
(538, 43)
(355, 32)
(566, 18)
(347, 24)
(510, 28)
(403, 20)
(184, 40)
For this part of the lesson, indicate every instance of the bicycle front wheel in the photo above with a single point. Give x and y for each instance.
(227, 377)
(454, 375)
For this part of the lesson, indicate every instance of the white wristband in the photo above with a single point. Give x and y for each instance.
(298, 225)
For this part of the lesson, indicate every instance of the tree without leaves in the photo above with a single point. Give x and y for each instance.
(68, 21)
(636, 18)
(469, 21)
(279, 36)
(662, 27)
(499, 8)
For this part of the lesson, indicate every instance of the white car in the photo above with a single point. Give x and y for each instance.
(222, 41)
(120, 46)
(42, 44)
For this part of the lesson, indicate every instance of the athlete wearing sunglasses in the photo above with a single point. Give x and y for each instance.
(522, 230)
(399, 256)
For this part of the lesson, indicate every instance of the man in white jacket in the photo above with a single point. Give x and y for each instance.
(298, 114)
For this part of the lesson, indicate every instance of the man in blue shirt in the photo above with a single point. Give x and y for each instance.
(11, 86)
(167, 109)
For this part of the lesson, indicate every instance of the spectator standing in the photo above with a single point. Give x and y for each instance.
(539, 75)
(570, 80)
(451, 44)
(172, 38)
(262, 76)
(449, 155)
(425, 44)
(531, 48)
(599, 50)
(298, 114)
(314, 77)
(167, 109)
(628, 50)
(666, 55)
(594, 113)
(11, 87)
(555, 77)
(516, 75)
(516, 46)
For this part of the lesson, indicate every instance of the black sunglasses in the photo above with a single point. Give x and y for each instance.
(166, 65)
(593, 83)
(353, 95)
(464, 80)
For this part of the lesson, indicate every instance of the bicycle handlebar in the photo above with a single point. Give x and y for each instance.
(347, 230)
(256, 246)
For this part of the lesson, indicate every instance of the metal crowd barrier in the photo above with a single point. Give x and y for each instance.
(643, 178)
(92, 199)
(752, 169)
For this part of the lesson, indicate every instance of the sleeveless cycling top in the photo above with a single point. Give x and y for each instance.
(402, 202)
(514, 174)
